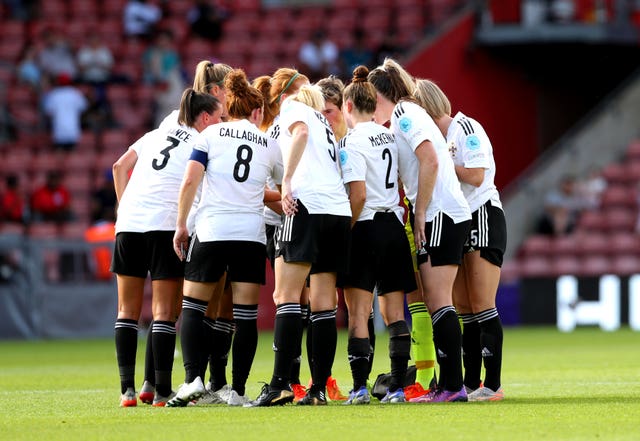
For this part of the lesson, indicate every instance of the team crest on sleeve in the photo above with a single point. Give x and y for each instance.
(473, 143)
(343, 157)
(405, 124)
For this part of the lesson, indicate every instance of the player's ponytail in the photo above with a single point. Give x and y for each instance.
(242, 97)
(361, 92)
(193, 104)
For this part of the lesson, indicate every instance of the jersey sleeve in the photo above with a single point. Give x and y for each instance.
(291, 113)
(200, 152)
(142, 141)
(352, 161)
(475, 150)
(278, 166)
(414, 124)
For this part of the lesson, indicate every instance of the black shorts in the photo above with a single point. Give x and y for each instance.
(271, 232)
(380, 256)
(323, 240)
(445, 241)
(136, 254)
(488, 233)
(244, 261)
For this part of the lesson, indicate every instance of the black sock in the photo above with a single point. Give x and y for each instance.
(164, 345)
(126, 336)
(191, 336)
(286, 334)
(323, 346)
(399, 353)
(208, 338)
(448, 344)
(308, 340)
(245, 343)
(297, 360)
(372, 342)
(491, 337)
(358, 352)
(471, 351)
(149, 367)
(221, 345)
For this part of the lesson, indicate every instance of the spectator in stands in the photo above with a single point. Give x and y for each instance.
(11, 203)
(51, 201)
(56, 56)
(64, 105)
(591, 187)
(162, 69)
(103, 200)
(562, 206)
(28, 69)
(140, 18)
(95, 62)
(206, 19)
(318, 56)
(357, 54)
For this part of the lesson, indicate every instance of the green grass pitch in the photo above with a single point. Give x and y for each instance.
(583, 385)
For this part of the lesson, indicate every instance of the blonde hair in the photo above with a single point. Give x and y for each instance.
(392, 81)
(309, 95)
(209, 74)
(432, 99)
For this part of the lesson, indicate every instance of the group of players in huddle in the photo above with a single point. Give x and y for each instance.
(310, 177)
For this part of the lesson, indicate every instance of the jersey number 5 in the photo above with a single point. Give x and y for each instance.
(173, 143)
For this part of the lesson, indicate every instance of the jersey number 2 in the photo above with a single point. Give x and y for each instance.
(387, 152)
(173, 143)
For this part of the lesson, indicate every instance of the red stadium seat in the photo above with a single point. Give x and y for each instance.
(593, 244)
(615, 173)
(535, 266)
(618, 196)
(536, 245)
(633, 150)
(595, 266)
(565, 265)
(566, 245)
(624, 243)
(620, 219)
(592, 221)
(625, 265)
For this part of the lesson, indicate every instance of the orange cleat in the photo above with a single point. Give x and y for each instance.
(299, 392)
(414, 390)
(333, 390)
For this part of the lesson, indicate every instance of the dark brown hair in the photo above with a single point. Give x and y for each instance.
(361, 92)
(193, 104)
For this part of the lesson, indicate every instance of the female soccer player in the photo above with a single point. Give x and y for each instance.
(380, 253)
(235, 159)
(442, 215)
(208, 78)
(477, 281)
(144, 232)
(314, 241)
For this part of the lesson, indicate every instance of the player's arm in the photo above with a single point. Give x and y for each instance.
(121, 169)
(427, 172)
(188, 189)
(472, 176)
(300, 136)
(357, 198)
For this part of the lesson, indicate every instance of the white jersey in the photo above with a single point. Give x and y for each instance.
(470, 147)
(369, 153)
(270, 216)
(238, 158)
(412, 125)
(317, 181)
(171, 120)
(150, 200)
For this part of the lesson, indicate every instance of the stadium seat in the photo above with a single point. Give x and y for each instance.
(535, 266)
(592, 220)
(536, 245)
(595, 266)
(46, 161)
(625, 265)
(566, 245)
(116, 140)
(620, 219)
(593, 244)
(618, 196)
(615, 173)
(565, 265)
(624, 242)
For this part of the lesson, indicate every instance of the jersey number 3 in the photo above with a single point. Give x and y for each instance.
(173, 143)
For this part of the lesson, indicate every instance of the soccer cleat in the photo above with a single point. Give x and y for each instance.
(186, 393)
(442, 396)
(147, 392)
(160, 401)
(414, 390)
(360, 396)
(209, 397)
(299, 391)
(486, 394)
(334, 391)
(313, 399)
(224, 392)
(394, 397)
(271, 396)
(128, 398)
(235, 399)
